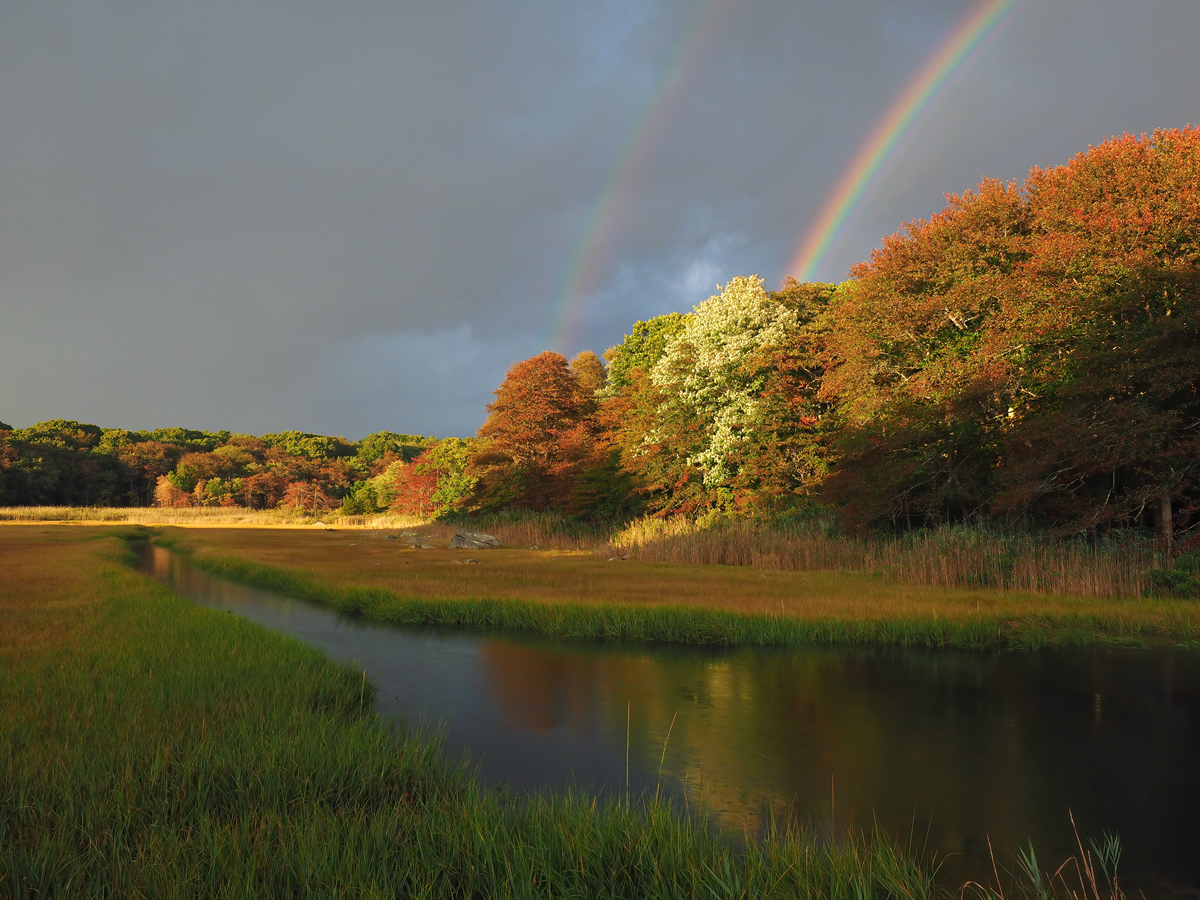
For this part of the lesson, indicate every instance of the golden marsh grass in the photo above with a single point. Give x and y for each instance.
(369, 559)
(199, 516)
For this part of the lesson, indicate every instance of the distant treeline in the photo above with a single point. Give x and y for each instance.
(66, 463)
(1030, 353)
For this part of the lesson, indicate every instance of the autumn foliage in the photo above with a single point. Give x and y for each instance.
(539, 435)
(1031, 353)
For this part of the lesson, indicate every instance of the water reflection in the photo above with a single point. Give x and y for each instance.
(965, 745)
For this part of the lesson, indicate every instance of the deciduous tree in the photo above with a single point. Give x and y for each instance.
(538, 435)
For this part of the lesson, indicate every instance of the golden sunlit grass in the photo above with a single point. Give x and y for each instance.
(345, 561)
(948, 556)
(198, 516)
(41, 601)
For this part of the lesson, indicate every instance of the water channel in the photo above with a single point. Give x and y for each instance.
(955, 747)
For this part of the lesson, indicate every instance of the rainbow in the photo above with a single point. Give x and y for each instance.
(964, 43)
(612, 204)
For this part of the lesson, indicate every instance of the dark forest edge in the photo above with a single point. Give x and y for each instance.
(1027, 360)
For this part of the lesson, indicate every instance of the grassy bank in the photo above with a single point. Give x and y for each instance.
(149, 747)
(977, 556)
(580, 594)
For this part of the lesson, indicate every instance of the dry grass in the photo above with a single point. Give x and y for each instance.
(944, 557)
(201, 516)
(368, 558)
(47, 563)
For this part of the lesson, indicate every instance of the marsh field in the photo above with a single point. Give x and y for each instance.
(155, 747)
(151, 747)
(410, 576)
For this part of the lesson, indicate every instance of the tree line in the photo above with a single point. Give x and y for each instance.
(67, 463)
(1029, 353)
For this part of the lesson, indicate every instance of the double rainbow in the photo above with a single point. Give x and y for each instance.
(612, 203)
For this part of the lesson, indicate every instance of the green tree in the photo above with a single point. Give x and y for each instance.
(642, 348)
(374, 447)
(311, 446)
(437, 482)
(190, 438)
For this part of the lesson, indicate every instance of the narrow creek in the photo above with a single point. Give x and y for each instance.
(953, 747)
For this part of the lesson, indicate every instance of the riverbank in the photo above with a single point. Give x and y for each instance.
(151, 747)
(387, 576)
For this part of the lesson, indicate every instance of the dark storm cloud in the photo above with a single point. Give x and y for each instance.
(346, 217)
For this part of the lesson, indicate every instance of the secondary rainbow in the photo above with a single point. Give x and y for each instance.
(612, 203)
(959, 48)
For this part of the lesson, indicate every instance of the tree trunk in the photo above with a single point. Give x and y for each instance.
(1163, 519)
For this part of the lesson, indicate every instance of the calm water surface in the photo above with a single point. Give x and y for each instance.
(954, 744)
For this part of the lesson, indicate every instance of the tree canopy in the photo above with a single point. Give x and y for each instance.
(1030, 352)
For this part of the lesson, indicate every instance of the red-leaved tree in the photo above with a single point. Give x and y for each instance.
(538, 436)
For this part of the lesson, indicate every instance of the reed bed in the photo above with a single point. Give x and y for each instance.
(950, 556)
(576, 594)
(149, 747)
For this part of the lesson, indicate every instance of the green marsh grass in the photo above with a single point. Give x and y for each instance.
(150, 747)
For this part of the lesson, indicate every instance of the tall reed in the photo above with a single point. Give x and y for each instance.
(950, 556)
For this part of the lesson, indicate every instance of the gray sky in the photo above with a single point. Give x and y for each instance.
(347, 217)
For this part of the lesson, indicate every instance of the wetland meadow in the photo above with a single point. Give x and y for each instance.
(385, 715)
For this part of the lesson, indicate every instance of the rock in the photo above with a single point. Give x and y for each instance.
(424, 546)
(464, 561)
(473, 540)
(390, 537)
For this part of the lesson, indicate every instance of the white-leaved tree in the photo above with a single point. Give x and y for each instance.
(707, 371)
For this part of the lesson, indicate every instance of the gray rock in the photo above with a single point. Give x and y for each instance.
(474, 540)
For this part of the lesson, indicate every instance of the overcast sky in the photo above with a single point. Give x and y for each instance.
(354, 216)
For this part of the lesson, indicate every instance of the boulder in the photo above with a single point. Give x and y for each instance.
(474, 540)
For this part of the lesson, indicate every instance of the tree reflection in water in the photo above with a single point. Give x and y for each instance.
(962, 745)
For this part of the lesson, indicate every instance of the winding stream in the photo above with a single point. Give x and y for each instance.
(960, 746)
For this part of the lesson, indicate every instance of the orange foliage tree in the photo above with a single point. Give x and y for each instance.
(1030, 351)
(538, 436)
